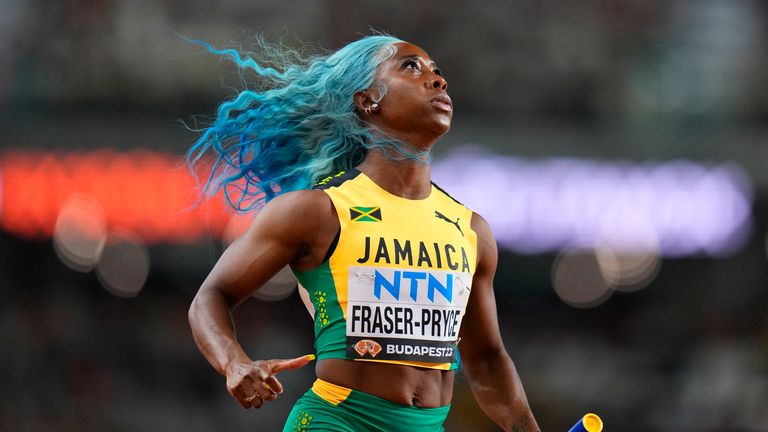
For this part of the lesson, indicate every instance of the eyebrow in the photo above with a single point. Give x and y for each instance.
(416, 57)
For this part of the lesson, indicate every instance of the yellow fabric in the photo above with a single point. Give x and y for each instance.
(437, 227)
(329, 392)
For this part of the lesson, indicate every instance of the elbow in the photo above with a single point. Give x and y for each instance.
(206, 300)
(488, 358)
(192, 312)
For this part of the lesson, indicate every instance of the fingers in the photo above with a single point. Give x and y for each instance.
(240, 395)
(256, 391)
(290, 364)
(261, 387)
(243, 388)
(272, 383)
(253, 383)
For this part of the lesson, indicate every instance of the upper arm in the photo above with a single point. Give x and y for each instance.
(288, 230)
(480, 328)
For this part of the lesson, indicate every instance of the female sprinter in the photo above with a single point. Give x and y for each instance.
(334, 154)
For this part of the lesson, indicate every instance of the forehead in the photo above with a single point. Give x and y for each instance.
(407, 49)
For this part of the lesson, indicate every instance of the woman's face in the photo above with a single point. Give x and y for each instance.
(416, 106)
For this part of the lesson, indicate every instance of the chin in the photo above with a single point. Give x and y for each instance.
(442, 126)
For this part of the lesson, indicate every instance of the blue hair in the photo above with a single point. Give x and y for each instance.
(299, 126)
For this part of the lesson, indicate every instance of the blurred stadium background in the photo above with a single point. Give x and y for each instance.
(618, 148)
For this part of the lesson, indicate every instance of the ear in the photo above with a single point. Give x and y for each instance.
(363, 100)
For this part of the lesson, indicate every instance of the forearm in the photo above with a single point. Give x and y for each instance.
(499, 392)
(212, 327)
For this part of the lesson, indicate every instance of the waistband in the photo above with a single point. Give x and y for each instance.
(365, 411)
(336, 394)
(331, 393)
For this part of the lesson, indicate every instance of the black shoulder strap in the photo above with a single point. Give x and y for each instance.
(446, 194)
(337, 179)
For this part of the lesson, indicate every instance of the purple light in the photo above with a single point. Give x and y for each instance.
(680, 207)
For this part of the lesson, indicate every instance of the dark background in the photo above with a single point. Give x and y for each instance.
(638, 81)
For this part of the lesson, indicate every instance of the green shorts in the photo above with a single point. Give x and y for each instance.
(327, 407)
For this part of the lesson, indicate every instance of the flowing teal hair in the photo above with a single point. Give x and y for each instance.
(297, 127)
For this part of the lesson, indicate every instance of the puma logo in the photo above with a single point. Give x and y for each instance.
(445, 218)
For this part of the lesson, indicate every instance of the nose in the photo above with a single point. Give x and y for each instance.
(438, 82)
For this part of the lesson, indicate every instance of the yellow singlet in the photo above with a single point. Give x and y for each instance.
(396, 285)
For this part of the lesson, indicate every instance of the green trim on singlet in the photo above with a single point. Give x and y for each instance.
(330, 340)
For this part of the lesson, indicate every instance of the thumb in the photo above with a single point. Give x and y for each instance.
(290, 364)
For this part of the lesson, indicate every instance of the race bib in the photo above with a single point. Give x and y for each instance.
(405, 314)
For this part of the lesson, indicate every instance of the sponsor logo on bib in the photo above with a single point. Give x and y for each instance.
(367, 346)
(409, 314)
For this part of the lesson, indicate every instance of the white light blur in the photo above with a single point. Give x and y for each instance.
(628, 271)
(80, 232)
(279, 287)
(627, 250)
(578, 279)
(124, 264)
(564, 203)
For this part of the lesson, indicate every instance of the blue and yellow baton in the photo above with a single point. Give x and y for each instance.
(588, 423)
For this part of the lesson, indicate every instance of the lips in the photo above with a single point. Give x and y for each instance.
(442, 102)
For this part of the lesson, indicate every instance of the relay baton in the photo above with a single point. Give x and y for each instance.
(588, 423)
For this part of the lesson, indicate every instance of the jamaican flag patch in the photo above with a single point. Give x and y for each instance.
(365, 214)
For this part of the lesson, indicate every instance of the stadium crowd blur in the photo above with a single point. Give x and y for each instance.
(607, 89)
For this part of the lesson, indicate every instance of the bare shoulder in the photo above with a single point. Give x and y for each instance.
(303, 221)
(308, 200)
(292, 208)
(487, 251)
(483, 229)
(481, 226)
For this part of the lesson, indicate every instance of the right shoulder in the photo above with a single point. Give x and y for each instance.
(295, 220)
(312, 203)
(315, 201)
(303, 221)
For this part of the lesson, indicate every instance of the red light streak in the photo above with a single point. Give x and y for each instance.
(145, 192)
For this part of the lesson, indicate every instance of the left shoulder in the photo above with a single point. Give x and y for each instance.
(487, 251)
(481, 227)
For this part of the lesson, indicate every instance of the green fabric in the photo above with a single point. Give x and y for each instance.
(330, 327)
(362, 412)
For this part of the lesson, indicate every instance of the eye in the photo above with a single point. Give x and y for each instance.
(438, 72)
(413, 64)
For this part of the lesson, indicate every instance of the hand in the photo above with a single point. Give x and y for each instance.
(253, 382)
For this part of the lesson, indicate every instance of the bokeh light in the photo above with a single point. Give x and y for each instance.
(628, 251)
(628, 271)
(80, 232)
(533, 206)
(35, 185)
(539, 206)
(124, 264)
(279, 287)
(578, 279)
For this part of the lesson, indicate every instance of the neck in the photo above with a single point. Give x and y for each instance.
(422, 140)
(404, 178)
